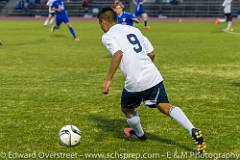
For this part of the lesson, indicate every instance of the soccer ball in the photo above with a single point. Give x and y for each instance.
(69, 135)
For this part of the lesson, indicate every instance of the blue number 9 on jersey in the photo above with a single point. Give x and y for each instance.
(132, 38)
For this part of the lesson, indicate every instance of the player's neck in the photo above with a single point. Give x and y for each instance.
(111, 25)
(120, 14)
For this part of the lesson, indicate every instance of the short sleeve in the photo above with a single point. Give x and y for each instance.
(148, 45)
(110, 44)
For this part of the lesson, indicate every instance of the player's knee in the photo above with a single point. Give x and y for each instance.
(128, 112)
(165, 108)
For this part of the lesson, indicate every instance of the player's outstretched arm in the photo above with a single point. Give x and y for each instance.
(136, 20)
(116, 59)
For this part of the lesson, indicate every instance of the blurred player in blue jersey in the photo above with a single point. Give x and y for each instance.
(51, 14)
(124, 17)
(139, 11)
(61, 16)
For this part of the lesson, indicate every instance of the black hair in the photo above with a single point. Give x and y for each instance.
(107, 14)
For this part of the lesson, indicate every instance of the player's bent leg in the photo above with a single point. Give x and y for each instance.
(133, 121)
(128, 112)
(46, 22)
(130, 101)
(54, 28)
(164, 108)
(71, 30)
(178, 115)
(52, 19)
(145, 19)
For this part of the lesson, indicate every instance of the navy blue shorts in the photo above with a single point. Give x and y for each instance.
(228, 16)
(52, 13)
(149, 97)
(62, 18)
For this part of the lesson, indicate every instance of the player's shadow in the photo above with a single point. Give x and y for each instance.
(23, 43)
(237, 84)
(115, 127)
(59, 36)
(168, 142)
(109, 126)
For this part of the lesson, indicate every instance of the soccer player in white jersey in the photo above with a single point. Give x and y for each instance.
(51, 13)
(228, 14)
(134, 54)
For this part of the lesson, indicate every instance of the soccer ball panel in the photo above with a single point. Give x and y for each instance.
(69, 135)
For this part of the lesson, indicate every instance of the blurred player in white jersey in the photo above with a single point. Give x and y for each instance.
(227, 4)
(134, 54)
(51, 14)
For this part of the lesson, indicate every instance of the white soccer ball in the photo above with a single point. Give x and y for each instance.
(69, 135)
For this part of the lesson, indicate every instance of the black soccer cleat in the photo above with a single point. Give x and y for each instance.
(130, 133)
(198, 138)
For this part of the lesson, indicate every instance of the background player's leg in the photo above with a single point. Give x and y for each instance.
(229, 22)
(145, 19)
(177, 114)
(51, 19)
(47, 21)
(71, 30)
(133, 121)
(57, 25)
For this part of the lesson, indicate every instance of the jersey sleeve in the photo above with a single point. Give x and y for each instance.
(53, 5)
(147, 45)
(110, 44)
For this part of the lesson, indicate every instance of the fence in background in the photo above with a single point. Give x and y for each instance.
(155, 8)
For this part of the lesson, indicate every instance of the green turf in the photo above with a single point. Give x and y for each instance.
(48, 80)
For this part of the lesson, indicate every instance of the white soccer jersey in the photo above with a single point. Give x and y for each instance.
(137, 67)
(50, 2)
(227, 6)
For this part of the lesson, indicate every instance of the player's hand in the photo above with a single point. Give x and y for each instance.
(105, 86)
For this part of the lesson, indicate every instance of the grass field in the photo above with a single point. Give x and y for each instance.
(48, 80)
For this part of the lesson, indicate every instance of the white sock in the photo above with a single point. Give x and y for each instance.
(46, 22)
(135, 124)
(52, 20)
(178, 115)
(229, 25)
